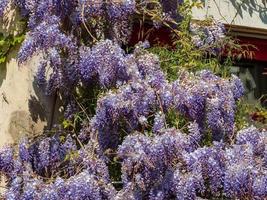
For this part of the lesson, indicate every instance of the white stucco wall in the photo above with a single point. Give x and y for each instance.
(252, 13)
(22, 105)
(24, 108)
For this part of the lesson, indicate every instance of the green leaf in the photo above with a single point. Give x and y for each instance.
(2, 59)
(2, 42)
(66, 124)
(18, 39)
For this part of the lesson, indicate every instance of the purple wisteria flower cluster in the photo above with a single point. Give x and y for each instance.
(208, 36)
(90, 180)
(143, 90)
(3, 6)
(58, 29)
(128, 147)
(168, 165)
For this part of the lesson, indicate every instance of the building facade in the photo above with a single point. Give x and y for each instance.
(247, 22)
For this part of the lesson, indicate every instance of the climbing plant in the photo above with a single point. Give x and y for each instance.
(141, 120)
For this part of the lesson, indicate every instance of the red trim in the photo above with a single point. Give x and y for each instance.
(162, 37)
(159, 36)
(260, 54)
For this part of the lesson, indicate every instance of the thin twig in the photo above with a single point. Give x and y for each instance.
(83, 20)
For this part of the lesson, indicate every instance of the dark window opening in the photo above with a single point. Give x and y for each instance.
(253, 75)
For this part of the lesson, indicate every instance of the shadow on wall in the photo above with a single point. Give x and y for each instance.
(29, 111)
(3, 66)
(2, 73)
(20, 125)
(44, 107)
(26, 116)
(39, 116)
(251, 7)
(11, 22)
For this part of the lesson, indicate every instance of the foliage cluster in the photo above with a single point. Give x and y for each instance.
(6, 44)
(142, 121)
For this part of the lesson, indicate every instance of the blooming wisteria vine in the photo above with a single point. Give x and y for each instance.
(127, 146)
(164, 166)
(205, 36)
(167, 166)
(202, 97)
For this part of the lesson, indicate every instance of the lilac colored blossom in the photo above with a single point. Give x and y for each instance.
(195, 135)
(104, 63)
(46, 35)
(84, 134)
(56, 150)
(71, 109)
(96, 166)
(119, 14)
(136, 149)
(90, 8)
(150, 90)
(159, 167)
(83, 186)
(48, 38)
(186, 185)
(142, 45)
(127, 104)
(3, 6)
(259, 186)
(156, 195)
(69, 144)
(149, 69)
(41, 74)
(159, 122)
(241, 171)
(152, 158)
(166, 164)
(213, 165)
(254, 137)
(205, 95)
(13, 191)
(92, 183)
(237, 87)
(237, 180)
(48, 30)
(44, 152)
(17, 168)
(39, 10)
(120, 9)
(6, 159)
(23, 150)
(208, 163)
(214, 116)
(167, 96)
(30, 188)
(208, 36)
(265, 156)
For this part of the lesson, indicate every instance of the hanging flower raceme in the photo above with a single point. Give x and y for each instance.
(165, 166)
(208, 36)
(128, 131)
